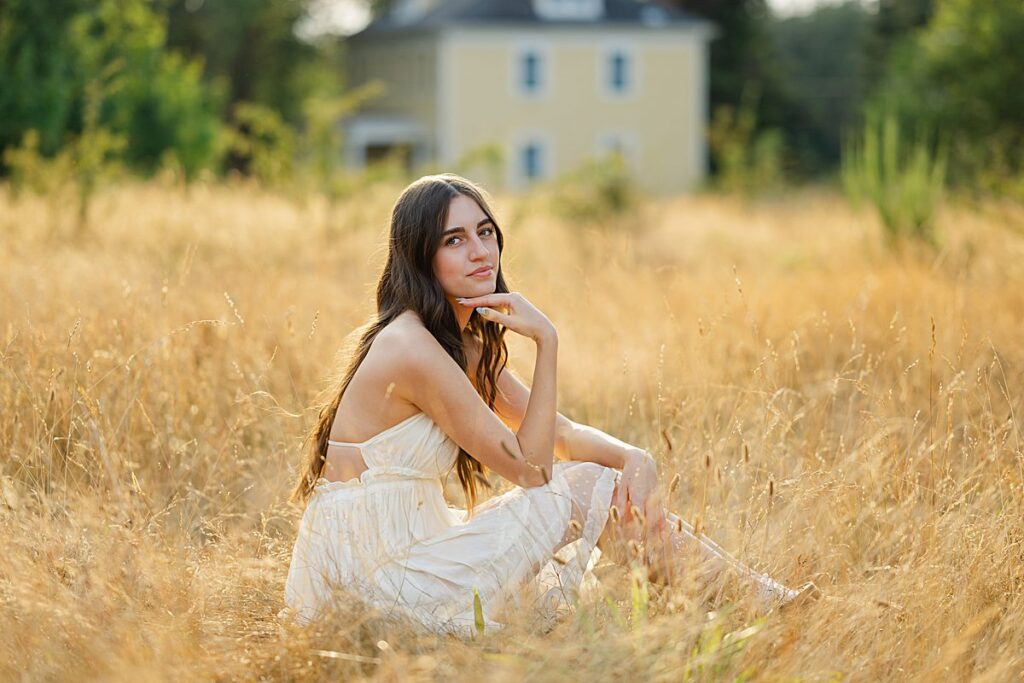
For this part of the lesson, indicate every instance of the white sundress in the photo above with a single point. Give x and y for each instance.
(391, 538)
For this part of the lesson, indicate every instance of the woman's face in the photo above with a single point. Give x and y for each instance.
(469, 243)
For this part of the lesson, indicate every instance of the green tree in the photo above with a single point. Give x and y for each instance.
(823, 65)
(38, 82)
(250, 48)
(740, 49)
(960, 75)
(155, 98)
(743, 58)
(895, 22)
(73, 68)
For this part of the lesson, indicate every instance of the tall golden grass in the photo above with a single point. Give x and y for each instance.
(156, 375)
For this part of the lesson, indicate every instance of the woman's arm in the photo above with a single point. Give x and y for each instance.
(537, 432)
(639, 472)
(573, 441)
(583, 442)
(428, 378)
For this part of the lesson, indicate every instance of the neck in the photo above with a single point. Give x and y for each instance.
(462, 313)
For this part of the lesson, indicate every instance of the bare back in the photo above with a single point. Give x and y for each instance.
(373, 402)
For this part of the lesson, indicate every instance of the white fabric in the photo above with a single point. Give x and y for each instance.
(391, 538)
(717, 561)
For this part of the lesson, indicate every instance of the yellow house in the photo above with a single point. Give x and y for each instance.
(551, 83)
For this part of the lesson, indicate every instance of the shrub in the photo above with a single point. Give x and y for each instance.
(903, 179)
(483, 163)
(747, 161)
(597, 190)
(264, 143)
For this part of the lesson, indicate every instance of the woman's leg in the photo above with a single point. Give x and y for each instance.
(712, 562)
(620, 529)
(676, 549)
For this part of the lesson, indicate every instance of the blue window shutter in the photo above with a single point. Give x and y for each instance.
(619, 72)
(531, 160)
(531, 71)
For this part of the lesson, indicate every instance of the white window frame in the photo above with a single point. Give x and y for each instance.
(604, 71)
(544, 71)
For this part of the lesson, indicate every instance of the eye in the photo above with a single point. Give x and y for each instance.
(451, 240)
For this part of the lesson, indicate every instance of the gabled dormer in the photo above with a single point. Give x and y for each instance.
(569, 10)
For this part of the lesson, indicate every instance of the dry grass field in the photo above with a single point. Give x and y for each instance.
(838, 413)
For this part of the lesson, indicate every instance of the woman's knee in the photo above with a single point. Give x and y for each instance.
(583, 477)
(585, 469)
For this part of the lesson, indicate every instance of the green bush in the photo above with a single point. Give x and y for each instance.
(747, 161)
(31, 171)
(484, 163)
(903, 179)
(598, 190)
(264, 142)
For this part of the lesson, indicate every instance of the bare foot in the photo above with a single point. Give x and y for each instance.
(805, 594)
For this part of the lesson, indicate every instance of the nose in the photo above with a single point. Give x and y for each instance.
(478, 250)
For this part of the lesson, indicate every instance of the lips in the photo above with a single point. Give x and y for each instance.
(479, 271)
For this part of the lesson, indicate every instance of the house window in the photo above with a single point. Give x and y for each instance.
(532, 160)
(619, 72)
(530, 71)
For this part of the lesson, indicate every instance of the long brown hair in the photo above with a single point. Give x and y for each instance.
(408, 282)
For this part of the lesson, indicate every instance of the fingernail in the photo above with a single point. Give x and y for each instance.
(480, 310)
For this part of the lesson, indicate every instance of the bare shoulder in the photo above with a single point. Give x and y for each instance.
(405, 345)
(404, 335)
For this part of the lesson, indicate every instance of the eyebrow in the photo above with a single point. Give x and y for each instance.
(449, 231)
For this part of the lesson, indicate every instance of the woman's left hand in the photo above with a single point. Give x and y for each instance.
(639, 487)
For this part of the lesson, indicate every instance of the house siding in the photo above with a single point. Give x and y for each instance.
(408, 65)
(664, 110)
(460, 85)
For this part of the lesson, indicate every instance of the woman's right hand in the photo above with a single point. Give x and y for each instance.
(514, 312)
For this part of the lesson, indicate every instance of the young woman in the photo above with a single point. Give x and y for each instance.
(427, 391)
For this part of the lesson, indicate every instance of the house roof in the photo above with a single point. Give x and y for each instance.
(521, 12)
